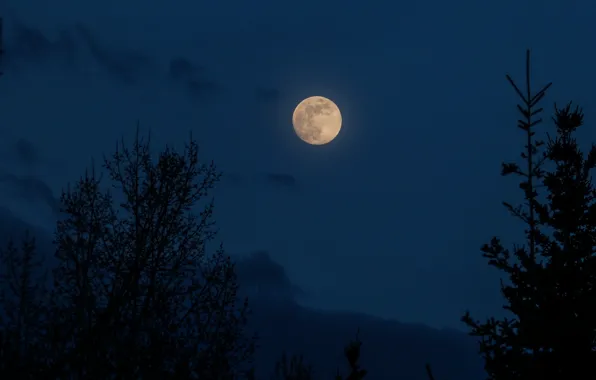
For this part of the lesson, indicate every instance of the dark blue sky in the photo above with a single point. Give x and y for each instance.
(389, 217)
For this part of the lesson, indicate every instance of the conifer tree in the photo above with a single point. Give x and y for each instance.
(293, 369)
(549, 285)
(352, 355)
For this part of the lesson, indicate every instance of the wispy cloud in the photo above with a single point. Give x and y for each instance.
(124, 64)
(29, 44)
(182, 69)
(76, 44)
(283, 180)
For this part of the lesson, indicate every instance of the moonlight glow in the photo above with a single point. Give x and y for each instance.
(317, 120)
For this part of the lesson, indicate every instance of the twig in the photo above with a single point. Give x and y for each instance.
(429, 372)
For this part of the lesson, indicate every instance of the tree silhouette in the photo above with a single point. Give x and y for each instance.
(352, 355)
(294, 369)
(23, 300)
(550, 281)
(135, 292)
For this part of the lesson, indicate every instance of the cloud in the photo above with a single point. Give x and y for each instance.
(182, 69)
(30, 44)
(281, 180)
(260, 276)
(126, 66)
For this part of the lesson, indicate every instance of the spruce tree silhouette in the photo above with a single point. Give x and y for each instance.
(352, 355)
(135, 294)
(297, 369)
(294, 369)
(550, 290)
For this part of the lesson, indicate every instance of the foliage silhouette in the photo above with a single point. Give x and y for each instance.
(352, 354)
(135, 293)
(550, 289)
(23, 297)
(294, 369)
(297, 369)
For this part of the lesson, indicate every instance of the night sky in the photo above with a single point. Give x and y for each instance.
(388, 218)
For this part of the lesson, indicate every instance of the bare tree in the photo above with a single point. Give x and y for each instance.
(23, 308)
(136, 293)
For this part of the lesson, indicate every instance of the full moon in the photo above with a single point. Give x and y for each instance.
(317, 120)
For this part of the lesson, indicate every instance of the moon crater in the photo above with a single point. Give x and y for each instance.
(317, 120)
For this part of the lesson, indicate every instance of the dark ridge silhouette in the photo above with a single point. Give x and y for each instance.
(31, 188)
(286, 326)
(15, 228)
(321, 332)
(260, 276)
(391, 349)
